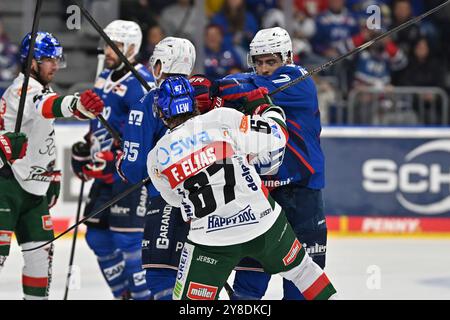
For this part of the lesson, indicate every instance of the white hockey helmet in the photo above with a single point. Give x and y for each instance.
(177, 56)
(270, 41)
(126, 32)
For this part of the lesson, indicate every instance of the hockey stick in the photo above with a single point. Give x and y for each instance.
(360, 48)
(74, 239)
(23, 92)
(103, 207)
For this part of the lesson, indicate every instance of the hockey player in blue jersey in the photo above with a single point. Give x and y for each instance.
(296, 184)
(165, 230)
(115, 235)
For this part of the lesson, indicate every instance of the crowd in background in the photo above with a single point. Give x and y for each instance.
(321, 30)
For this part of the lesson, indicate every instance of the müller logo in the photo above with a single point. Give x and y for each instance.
(413, 177)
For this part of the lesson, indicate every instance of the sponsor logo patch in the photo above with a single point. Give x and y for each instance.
(47, 223)
(5, 237)
(139, 278)
(243, 217)
(243, 127)
(293, 252)
(198, 291)
(115, 271)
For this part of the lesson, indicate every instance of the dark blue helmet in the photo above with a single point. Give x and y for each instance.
(46, 46)
(175, 96)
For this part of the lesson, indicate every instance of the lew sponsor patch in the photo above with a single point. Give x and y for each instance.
(47, 223)
(5, 237)
(293, 252)
(198, 291)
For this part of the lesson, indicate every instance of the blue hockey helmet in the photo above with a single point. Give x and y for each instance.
(46, 46)
(175, 96)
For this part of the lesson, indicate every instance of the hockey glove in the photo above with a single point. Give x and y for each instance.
(54, 188)
(206, 93)
(81, 156)
(13, 146)
(102, 167)
(88, 105)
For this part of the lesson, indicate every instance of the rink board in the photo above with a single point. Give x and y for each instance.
(378, 180)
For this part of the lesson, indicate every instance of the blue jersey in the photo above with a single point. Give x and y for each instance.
(141, 132)
(118, 96)
(303, 162)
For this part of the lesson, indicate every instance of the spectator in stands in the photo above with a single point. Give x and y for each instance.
(402, 12)
(260, 7)
(333, 26)
(213, 7)
(425, 70)
(373, 70)
(142, 12)
(238, 25)
(179, 20)
(154, 35)
(157, 6)
(303, 29)
(219, 60)
(9, 59)
(311, 8)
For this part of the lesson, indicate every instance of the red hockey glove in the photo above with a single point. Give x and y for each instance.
(13, 146)
(205, 93)
(88, 106)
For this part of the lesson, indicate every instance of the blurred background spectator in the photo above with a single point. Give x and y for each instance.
(219, 59)
(178, 20)
(153, 35)
(239, 25)
(9, 59)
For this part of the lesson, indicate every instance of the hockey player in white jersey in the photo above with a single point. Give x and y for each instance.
(202, 166)
(30, 186)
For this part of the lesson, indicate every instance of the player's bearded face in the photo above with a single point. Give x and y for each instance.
(47, 69)
(266, 64)
(112, 60)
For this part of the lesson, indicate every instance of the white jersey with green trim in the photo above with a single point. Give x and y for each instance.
(202, 167)
(32, 171)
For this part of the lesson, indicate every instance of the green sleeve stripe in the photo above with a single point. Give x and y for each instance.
(56, 108)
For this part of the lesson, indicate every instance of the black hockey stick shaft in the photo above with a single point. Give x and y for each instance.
(23, 92)
(360, 48)
(103, 207)
(228, 289)
(74, 240)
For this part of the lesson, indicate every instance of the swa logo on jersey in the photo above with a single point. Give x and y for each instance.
(178, 147)
(242, 218)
